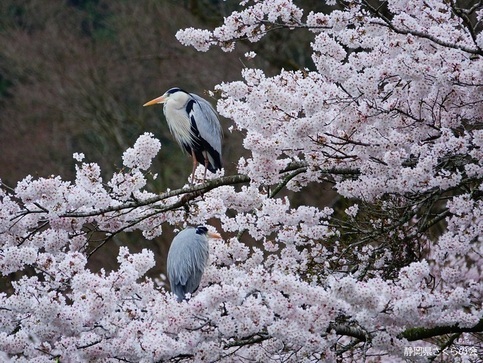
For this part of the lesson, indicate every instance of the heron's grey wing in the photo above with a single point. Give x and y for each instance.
(187, 258)
(207, 122)
(198, 256)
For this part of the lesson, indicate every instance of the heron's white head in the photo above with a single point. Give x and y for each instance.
(175, 96)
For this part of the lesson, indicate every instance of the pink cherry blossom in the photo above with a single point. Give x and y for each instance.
(388, 117)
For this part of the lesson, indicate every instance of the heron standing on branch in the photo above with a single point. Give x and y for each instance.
(194, 124)
(187, 259)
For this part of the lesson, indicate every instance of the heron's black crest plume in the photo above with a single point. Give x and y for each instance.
(201, 230)
(174, 90)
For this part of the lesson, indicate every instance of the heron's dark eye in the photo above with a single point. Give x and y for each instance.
(201, 230)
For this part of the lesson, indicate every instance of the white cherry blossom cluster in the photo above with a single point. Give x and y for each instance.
(390, 115)
(247, 23)
(141, 155)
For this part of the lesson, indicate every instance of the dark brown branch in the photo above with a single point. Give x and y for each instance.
(446, 345)
(190, 193)
(465, 19)
(89, 344)
(254, 339)
(285, 181)
(350, 331)
(413, 334)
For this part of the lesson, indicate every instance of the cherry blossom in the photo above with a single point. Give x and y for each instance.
(389, 115)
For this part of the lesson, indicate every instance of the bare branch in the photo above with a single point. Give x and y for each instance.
(254, 339)
(413, 334)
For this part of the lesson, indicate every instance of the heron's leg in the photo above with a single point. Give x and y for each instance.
(195, 163)
(206, 164)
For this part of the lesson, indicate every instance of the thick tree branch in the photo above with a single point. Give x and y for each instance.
(191, 192)
(350, 331)
(413, 334)
(254, 339)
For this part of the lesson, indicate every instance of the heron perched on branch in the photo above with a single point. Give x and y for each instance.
(194, 124)
(187, 259)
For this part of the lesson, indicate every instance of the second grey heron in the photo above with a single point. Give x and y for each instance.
(187, 260)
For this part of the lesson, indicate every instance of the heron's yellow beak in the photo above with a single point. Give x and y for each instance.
(213, 235)
(161, 99)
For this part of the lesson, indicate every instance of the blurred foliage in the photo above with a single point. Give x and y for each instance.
(74, 76)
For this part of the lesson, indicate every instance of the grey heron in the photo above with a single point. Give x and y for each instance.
(187, 259)
(194, 124)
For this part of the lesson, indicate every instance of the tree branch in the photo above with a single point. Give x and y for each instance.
(194, 191)
(254, 339)
(190, 193)
(413, 334)
(349, 330)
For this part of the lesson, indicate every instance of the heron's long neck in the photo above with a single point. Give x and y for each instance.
(178, 122)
